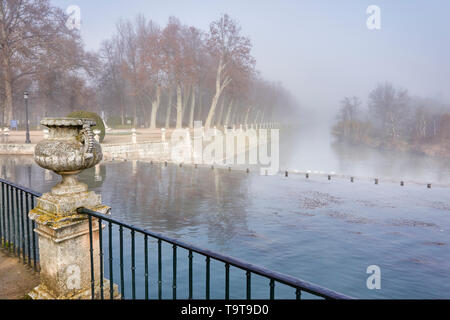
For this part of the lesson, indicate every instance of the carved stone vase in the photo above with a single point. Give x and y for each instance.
(65, 237)
(69, 149)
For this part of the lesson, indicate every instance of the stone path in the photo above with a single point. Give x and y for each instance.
(16, 279)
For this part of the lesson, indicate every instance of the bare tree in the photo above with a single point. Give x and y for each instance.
(31, 31)
(230, 51)
(180, 67)
(348, 115)
(387, 107)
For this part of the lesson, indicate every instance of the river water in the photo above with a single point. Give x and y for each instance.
(325, 232)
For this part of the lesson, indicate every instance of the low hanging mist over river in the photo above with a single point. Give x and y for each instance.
(312, 147)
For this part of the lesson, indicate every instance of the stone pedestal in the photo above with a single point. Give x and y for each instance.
(64, 247)
(64, 252)
(64, 235)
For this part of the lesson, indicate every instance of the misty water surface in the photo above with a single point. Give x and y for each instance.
(326, 232)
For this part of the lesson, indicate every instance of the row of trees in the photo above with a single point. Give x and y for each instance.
(154, 76)
(174, 75)
(393, 117)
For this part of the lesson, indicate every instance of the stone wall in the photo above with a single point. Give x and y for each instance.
(17, 149)
(158, 151)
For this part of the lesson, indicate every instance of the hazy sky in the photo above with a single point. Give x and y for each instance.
(320, 50)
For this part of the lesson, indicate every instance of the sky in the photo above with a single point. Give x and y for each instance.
(320, 50)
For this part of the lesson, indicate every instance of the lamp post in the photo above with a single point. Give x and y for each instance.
(25, 96)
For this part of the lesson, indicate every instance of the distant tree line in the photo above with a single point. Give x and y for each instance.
(393, 117)
(150, 75)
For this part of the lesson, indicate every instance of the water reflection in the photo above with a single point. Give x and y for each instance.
(161, 198)
(17, 169)
(314, 149)
(164, 199)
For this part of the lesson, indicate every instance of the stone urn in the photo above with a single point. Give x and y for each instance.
(69, 149)
(68, 240)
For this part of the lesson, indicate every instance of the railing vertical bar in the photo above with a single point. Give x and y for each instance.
(146, 265)
(298, 294)
(2, 220)
(227, 281)
(18, 214)
(208, 270)
(190, 275)
(17, 242)
(19, 230)
(122, 279)
(27, 208)
(100, 254)
(16, 221)
(5, 215)
(159, 270)
(133, 266)
(18, 238)
(8, 214)
(174, 270)
(14, 234)
(5, 229)
(249, 285)
(91, 251)
(272, 289)
(22, 213)
(111, 269)
(33, 235)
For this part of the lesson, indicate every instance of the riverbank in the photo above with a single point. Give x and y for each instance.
(437, 150)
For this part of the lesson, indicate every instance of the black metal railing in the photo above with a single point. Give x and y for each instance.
(16, 229)
(249, 270)
(128, 260)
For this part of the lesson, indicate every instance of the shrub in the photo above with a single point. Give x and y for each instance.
(90, 115)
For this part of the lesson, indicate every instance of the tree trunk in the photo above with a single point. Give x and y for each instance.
(200, 106)
(155, 106)
(257, 116)
(212, 110)
(191, 116)
(234, 116)
(135, 112)
(263, 115)
(220, 85)
(169, 109)
(247, 114)
(122, 110)
(179, 123)
(227, 118)
(186, 96)
(8, 113)
(219, 116)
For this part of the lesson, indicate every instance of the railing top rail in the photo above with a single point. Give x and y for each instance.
(282, 278)
(18, 186)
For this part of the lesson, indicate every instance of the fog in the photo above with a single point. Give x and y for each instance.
(321, 51)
